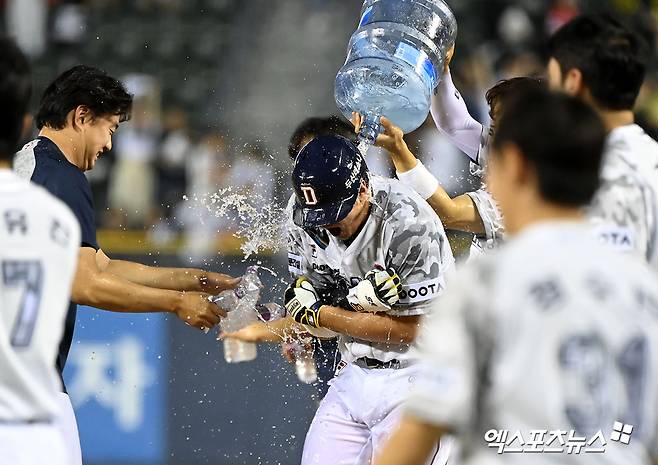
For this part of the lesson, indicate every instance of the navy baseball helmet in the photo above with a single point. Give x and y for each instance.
(326, 178)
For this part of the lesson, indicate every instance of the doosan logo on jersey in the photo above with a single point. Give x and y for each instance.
(420, 292)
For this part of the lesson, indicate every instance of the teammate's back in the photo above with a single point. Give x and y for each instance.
(570, 343)
(39, 240)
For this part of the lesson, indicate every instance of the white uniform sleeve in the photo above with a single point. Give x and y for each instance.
(451, 116)
(488, 210)
(451, 350)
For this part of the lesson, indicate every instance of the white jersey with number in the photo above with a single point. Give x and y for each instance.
(551, 332)
(625, 210)
(39, 242)
(402, 232)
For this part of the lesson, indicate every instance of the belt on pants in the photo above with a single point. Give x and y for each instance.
(373, 363)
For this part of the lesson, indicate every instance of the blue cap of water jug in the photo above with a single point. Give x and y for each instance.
(326, 178)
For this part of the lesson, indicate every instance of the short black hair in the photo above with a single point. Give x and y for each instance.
(562, 137)
(15, 92)
(314, 127)
(611, 58)
(506, 89)
(83, 85)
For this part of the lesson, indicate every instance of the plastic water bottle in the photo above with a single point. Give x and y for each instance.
(240, 303)
(395, 60)
(304, 362)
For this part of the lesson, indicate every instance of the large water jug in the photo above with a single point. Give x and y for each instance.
(395, 60)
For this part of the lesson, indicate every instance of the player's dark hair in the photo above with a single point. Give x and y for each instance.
(15, 92)
(611, 58)
(87, 86)
(561, 137)
(314, 127)
(500, 93)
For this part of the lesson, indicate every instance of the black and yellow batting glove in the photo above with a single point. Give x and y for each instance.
(302, 303)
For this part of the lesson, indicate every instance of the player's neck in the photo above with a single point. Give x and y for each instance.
(5, 165)
(540, 212)
(66, 141)
(616, 119)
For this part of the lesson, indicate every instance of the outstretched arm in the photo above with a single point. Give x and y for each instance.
(452, 118)
(373, 327)
(457, 213)
(101, 289)
(277, 331)
(177, 279)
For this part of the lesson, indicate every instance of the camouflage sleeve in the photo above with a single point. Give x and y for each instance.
(419, 251)
(622, 214)
(489, 212)
(447, 387)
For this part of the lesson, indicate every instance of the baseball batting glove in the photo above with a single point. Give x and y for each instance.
(377, 292)
(302, 303)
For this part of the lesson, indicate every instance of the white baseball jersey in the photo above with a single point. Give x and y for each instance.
(402, 232)
(553, 331)
(39, 242)
(625, 209)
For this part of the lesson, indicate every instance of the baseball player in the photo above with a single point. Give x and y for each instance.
(77, 117)
(325, 351)
(553, 336)
(474, 212)
(381, 230)
(596, 58)
(39, 238)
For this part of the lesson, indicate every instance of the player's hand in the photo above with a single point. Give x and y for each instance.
(215, 283)
(391, 140)
(255, 332)
(196, 310)
(378, 291)
(302, 303)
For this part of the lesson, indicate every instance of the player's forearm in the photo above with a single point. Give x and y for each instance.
(451, 117)
(111, 292)
(281, 330)
(398, 449)
(459, 213)
(178, 279)
(403, 159)
(373, 327)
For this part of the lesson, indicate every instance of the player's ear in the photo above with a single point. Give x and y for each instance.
(81, 115)
(573, 82)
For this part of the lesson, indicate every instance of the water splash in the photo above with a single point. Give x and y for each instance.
(257, 221)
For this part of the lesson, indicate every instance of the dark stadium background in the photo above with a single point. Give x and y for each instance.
(222, 84)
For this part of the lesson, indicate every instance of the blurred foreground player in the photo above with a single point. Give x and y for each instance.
(599, 60)
(553, 331)
(78, 115)
(39, 239)
(378, 229)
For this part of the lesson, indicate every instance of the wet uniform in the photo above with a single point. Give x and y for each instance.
(363, 402)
